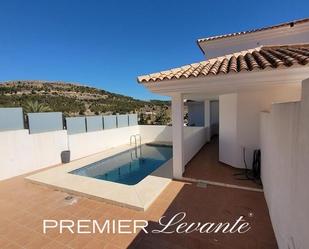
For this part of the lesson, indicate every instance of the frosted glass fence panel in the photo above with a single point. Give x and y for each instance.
(76, 125)
(110, 122)
(11, 119)
(45, 121)
(122, 120)
(132, 119)
(94, 123)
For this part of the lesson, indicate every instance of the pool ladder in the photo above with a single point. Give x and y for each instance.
(136, 146)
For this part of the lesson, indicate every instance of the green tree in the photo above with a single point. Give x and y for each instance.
(35, 106)
(162, 118)
(142, 119)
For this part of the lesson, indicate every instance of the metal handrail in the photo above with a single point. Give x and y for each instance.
(140, 138)
(133, 136)
(140, 145)
(135, 150)
(135, 143)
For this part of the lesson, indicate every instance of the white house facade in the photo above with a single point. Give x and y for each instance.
(256, 77)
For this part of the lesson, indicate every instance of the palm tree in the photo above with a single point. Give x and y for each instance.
(35, 106)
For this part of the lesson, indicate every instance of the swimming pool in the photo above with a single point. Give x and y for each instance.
(128, 167)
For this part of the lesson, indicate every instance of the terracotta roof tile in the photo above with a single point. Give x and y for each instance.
(301, 55)
(224, 66)
(261, 60)
(286, 24)
(233, 64)
(249, 60)
(215, 67)
(274, 61)
(242, 64)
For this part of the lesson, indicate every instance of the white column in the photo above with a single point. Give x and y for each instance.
(229, 150)
(177, 120)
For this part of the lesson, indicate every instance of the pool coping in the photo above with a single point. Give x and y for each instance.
(139, 196)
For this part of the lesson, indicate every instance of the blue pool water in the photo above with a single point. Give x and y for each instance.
(128, 167)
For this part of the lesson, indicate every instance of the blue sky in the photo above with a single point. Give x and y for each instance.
(107, 44)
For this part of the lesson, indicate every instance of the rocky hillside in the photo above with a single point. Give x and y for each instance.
(75, 99)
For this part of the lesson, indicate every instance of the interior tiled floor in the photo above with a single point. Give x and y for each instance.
(205, 165)
(24, 205)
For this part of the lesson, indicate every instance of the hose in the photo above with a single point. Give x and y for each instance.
(256, 166)
(247, 170)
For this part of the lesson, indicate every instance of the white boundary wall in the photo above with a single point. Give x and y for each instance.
(194, 139)
(284, 140)
(85, 144)
(21, 152)
(161, 133)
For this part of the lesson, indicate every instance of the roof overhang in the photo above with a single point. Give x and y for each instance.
(229, 83)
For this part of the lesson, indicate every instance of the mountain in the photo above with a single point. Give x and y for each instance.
(75, 99)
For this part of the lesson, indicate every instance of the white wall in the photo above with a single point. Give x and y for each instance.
(239, 121)
(228, 129)
(196, 114)
(214, 117)
(150, 133)
(207, 118)
(285, 155)
(21, 152)
(286, 35)
(194, 139)
(84, 144)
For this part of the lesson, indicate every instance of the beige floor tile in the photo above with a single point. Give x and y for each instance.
(95, 244)
(24, 205)
(37, 241)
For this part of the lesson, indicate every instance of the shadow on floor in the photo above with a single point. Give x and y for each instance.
(213, 204)
(205, 165)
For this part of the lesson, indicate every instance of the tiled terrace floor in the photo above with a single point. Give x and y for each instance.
(205, 165)
(23, 206)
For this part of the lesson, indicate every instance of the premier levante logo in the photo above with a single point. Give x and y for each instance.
(175, 224)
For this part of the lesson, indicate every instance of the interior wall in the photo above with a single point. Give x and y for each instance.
(240, 124)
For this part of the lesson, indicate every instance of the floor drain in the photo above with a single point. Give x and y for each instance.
(201, 185)
(68, 198)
